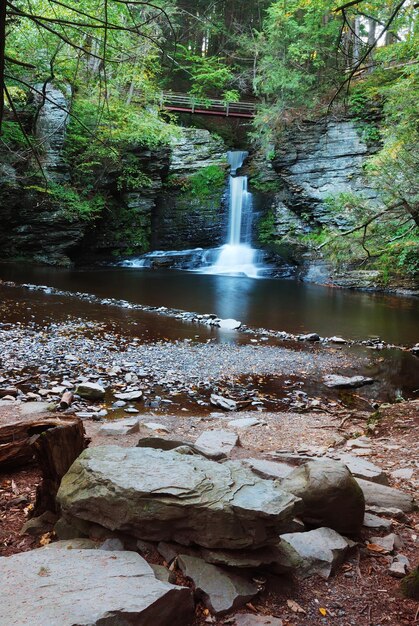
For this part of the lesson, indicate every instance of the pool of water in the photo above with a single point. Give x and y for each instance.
(269, 303)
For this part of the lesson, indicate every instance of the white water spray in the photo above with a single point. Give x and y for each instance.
(237, 256)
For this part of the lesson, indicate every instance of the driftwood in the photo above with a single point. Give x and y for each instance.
(52, 442)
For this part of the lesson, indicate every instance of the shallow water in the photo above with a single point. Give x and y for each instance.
(269, 303)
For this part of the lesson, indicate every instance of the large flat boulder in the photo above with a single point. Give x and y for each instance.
(88, 588)
(161, 495)
(330, 494)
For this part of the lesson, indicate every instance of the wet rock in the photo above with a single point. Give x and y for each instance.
(318, 551)
(129, 395)
(186, 499)
(269, 469)
(375, 522)
(330, 494)
(335, 381)
(216, 444)
(229, 324)
(121, 427)
(224, 403)
(385, 497)
(90, 391)
(309, 337)
(337, 340)
(86, 587)
(220, 591)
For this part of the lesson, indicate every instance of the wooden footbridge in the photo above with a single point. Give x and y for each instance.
(184, 103)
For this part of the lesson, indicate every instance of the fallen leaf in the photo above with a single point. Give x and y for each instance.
(294, 606)
(374, 547)
(323, 611)
(45, 539)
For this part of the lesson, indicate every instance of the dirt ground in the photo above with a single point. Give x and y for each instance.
(362, 593)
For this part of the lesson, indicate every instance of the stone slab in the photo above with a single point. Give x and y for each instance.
(47, 587)
(216, 444)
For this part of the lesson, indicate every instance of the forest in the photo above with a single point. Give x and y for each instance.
(209, 281)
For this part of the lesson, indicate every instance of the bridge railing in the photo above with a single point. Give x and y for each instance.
(179, 101)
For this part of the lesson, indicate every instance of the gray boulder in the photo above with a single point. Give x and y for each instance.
(88, 588)
(91, 391)
(330, 494)
(318, 551)
(219, 590)
(385, 497)
(164, 496)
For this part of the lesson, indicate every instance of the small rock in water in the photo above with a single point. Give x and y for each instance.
(335, 381)
(309, 337)
(90, 391)
(337, 340)
(129, 395)
(229, 324)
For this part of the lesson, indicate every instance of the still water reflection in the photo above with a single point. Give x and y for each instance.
(270, 303)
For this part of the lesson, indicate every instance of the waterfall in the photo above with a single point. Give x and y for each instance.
(237, 256)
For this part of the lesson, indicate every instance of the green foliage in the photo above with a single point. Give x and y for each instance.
(266, 228)
(77, 205)
(205, 182)
(12, 135)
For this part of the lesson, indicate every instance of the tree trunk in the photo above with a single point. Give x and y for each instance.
(56, 449)
(53, 442)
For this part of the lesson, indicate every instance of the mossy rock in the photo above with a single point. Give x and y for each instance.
(410, 585)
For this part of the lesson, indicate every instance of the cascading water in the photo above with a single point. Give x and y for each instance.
(237, 256)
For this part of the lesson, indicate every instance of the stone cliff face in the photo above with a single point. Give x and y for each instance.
(183, 219)
(35, 222)
(313, 162)
(32, 223)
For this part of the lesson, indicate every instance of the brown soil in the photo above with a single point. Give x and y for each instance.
(362, 593)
